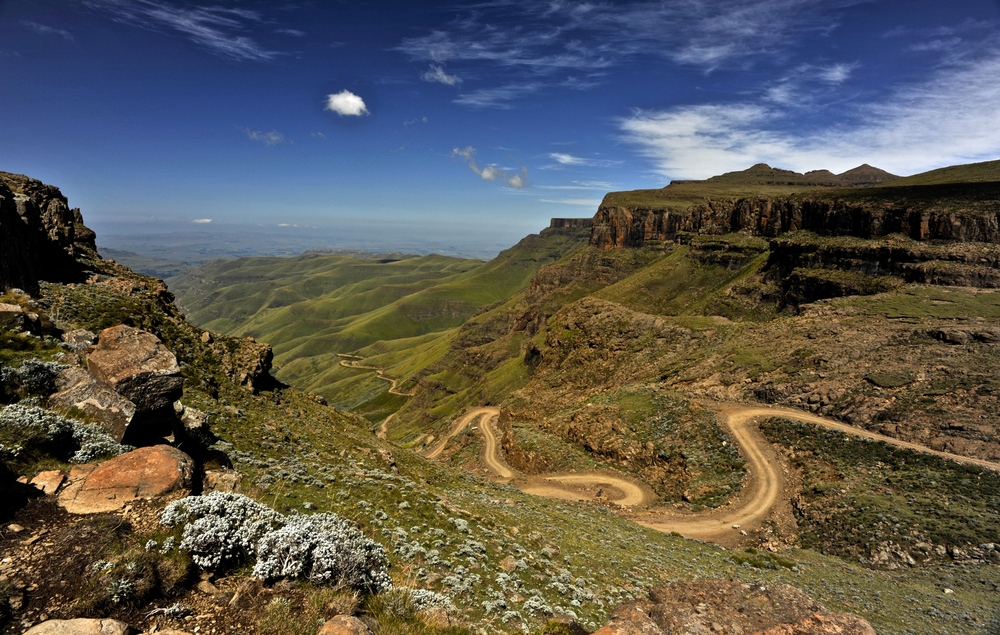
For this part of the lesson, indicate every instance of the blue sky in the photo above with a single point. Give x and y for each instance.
(477, 121)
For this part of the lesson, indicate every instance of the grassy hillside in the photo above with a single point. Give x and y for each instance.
(314, 307)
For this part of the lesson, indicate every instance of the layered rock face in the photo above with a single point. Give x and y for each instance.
(39, 234)
(616, 227)
(570, 223)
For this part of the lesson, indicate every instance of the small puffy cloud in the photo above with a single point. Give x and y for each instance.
(437, 74)
(491, 172)
(271, 138)
(410, 122)
(346, 104)
(202, 221)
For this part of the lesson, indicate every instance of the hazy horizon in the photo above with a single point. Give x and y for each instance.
(482, 120)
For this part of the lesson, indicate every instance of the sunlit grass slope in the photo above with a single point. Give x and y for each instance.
(312, 307)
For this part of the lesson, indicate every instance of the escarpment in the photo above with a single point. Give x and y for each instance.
(918, 213)
(40, 235)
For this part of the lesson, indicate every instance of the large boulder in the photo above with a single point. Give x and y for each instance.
(82, 390)
(730, 606)
(344, 625)
(80, 626)
(151, 472)
(137, 365)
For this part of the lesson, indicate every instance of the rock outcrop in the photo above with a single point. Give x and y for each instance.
(150, 472)
(40, 235)
(248, 363)
(138, 367)
(721, 606)
(570, 223)
(80, 389)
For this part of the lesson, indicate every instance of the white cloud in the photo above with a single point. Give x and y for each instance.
(215, 28)
(271, 138)
(410, 122)
(836, 73)
(317, 135)
(346, 104)
(44, 29)
(437, 74)
(564, 159)
(491, 172)
(202, 221)
(951, 118)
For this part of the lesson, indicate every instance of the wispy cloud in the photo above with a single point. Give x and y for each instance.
(44, 29)
(550, 37)
(346, 104)
(218, 29)
(291, 32)
(437, 74)
(270, 138)
(202, 221)
(563, 159)
(807, 83)
(491, 172)
(949, 118)
(317, 135)
(499, 97)
(410, 122)
(531, 46)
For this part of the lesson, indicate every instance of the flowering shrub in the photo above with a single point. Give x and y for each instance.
(424, 599)
(37, 427)
(222, 529)
(322, 548)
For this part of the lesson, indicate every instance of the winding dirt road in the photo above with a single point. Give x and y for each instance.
(379, 373)
(763, 487)
(457, 427)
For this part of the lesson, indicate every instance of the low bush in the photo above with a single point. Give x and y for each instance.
(224, 530)
(28, 433)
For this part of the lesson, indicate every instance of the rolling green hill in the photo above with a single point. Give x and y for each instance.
(314, 308)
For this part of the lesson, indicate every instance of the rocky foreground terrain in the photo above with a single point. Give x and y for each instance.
(161, 481)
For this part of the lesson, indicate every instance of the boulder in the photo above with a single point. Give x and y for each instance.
(80, 626)
(730, 606)
(344, 625)
(12, 316)
(80, 389)
(151, 472)
(137, 365)
(49, 481)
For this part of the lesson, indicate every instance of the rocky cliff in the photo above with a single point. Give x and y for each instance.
(570, 223)
(40, 235)
(922, 213)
